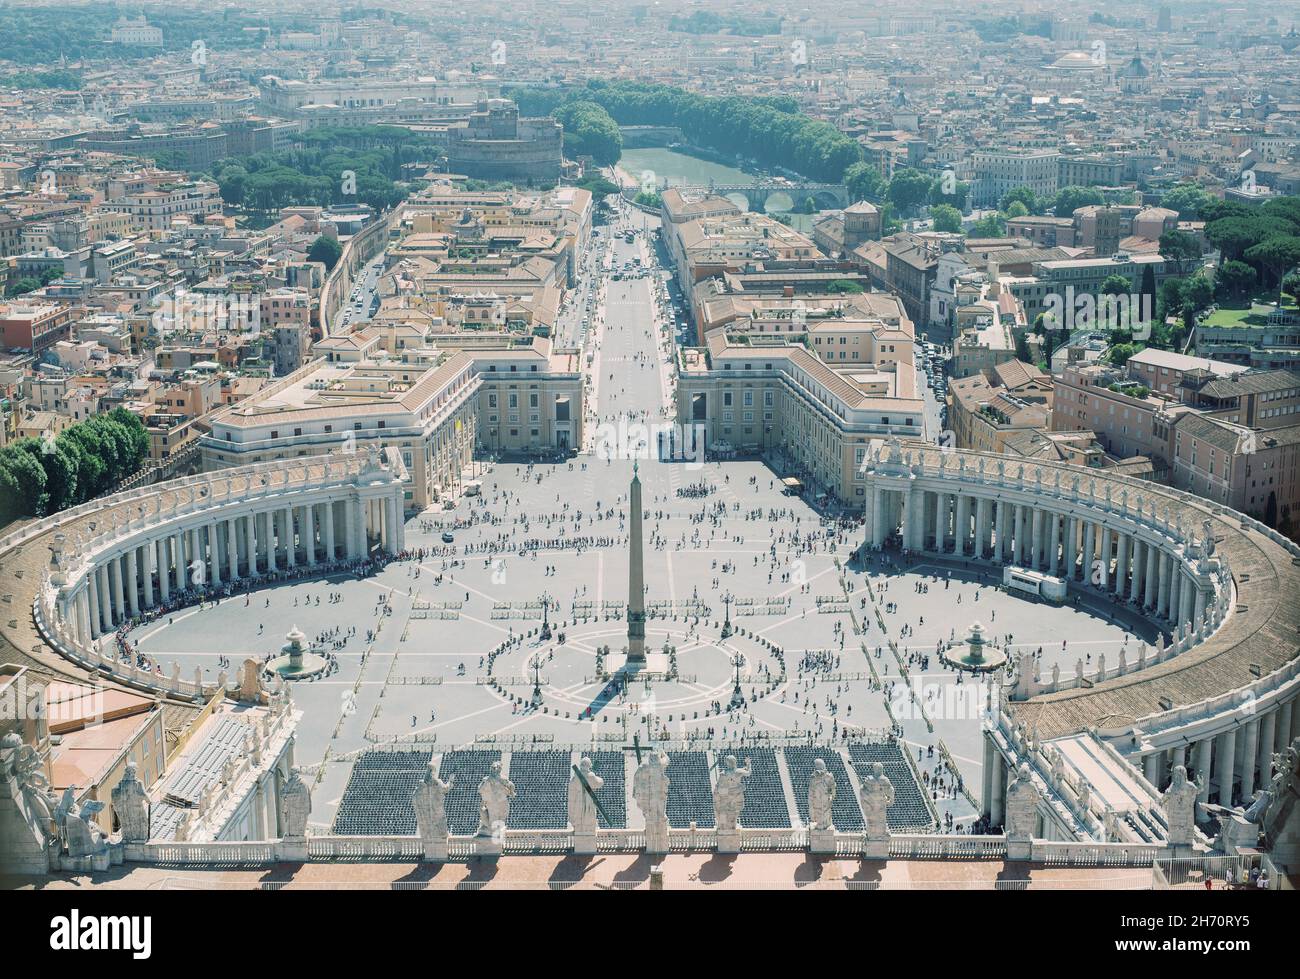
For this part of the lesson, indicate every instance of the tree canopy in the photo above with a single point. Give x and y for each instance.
(43, 476)
(767, 130)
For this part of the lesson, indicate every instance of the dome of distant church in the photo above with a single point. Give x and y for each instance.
(1135, 68)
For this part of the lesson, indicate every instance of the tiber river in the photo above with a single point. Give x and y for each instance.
(678, 168)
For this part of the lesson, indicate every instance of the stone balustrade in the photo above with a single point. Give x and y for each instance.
(533, 842)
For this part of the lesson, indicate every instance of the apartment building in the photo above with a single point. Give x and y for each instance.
(157, 210)
(778, 399)
(998, 171)
(34, 327)
(1125, 416)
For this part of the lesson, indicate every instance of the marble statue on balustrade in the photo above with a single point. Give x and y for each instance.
(250, 681)
(494, 792)
(131, 804)
(1179, 802)
(821, 797)
(429, 800)
(582, 803)
(26, 806)
(1022, 809)
(79, 834)
(876, 796)
(1282, 816)
(295, 806)
(729, 793)
(650, 791)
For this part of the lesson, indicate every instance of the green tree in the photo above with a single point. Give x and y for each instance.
(1180, 247)
(864, 182)
(843, 287)
(1022, 194)
(989, 226)
(1291, 286)
(1189, 200)
(958, 197)
(1070, 199)
(1234, 281)
(1275, 256)
(1017, 209)
(23, 481)
(908, 189)
(1199, 292)
(1119, 353)
(327, 250)
(1116, 285)
(946, 218)
(589, 130)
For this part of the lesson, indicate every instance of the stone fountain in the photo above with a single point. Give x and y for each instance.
(296, 660)
(976, 655)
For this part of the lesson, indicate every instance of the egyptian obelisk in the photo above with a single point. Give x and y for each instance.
(635, 578)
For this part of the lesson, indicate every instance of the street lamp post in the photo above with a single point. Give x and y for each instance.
(536, 664)
(726, 625)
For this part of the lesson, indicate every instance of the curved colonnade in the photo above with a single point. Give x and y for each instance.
(1220, 697)
(122, 556)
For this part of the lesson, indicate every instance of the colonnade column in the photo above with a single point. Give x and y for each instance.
(92, 592)
(1267, 739)
(132, 601)
(103, 581)
(328, 530)
(997, 805)
(290, 545)
(232, 550)
(1225, 752)
(1151, 768)
(150, 565)
(250, 542)
(875, 526)
(962, 529)
(1000, 547)
(181, 562)
(1121, 565)
(270, 547)
(1036, 550)
(115, 576)
(1139, 567)
(309, 533)
(1151, 597)
(164, 569)
(1070, 546)
(940, 521)
(1201, 762)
